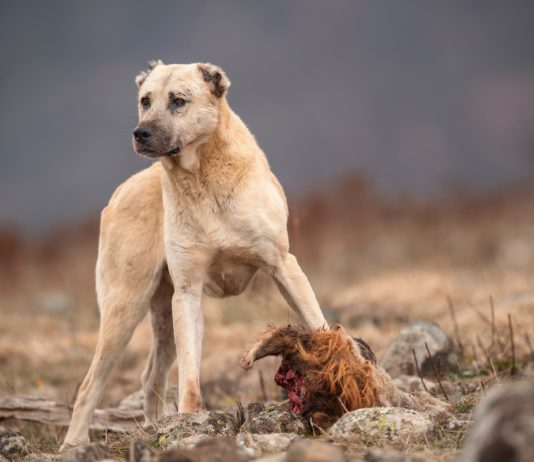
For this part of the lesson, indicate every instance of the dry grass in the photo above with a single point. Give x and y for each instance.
(375, 263)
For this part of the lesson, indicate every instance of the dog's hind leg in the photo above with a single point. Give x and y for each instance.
(162, 354)
(121, 313)
(128, 273)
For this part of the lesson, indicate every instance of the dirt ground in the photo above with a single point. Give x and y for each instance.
(376, 264)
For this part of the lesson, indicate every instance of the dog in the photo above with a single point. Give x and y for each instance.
(202, 219)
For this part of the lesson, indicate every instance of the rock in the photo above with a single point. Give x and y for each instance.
(503, 426)
(399, 357)
(211, 450)
(12, 444)
(192, 441)
(258, 444)
(272, 418)
(41, 458)
(173, 429)
(381, 455)
(90, 453)
(314, 451)
(135, 400)
(411, 383)
(140, 451)
(381, 425)
(3, 459)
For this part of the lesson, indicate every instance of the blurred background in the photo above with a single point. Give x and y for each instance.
(420, 98)
(403, 133)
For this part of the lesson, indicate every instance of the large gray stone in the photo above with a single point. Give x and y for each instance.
(379, 425)
(399, 359)
(12, 444)
(257, 444)
(173, 429)
(272, 418)
(192, 441)
(503, 428)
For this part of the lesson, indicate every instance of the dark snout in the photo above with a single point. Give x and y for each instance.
(149, 141)
(142, 134)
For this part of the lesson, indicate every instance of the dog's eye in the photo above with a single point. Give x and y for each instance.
(177, 102)
(145, 102)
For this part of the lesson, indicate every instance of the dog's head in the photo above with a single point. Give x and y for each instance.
(178, 105)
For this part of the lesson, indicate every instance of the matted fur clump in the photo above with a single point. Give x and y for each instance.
(327, 373)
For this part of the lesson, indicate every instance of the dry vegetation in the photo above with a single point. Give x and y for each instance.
(376, 263)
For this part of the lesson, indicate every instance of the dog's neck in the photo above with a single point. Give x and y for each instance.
(213, 160)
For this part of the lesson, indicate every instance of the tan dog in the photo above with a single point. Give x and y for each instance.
(204, 218)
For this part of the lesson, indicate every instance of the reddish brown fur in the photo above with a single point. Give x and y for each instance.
(340, 373)
(347, 377)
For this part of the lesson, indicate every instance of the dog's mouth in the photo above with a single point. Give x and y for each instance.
(294, 383)
(153, 154)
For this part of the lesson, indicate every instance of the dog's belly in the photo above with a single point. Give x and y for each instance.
(229, 274)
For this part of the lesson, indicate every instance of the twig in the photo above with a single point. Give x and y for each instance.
(418, 371)
(493, 328)
(239, 413)
(529, 344)
(343, 405)
(262, 386)
(314, 425)
(436, 373)
(456, 328)
(513, 369)
(494, 371)
(488, 322)
(483, 387)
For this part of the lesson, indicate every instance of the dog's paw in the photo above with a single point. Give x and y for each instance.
(74, 444)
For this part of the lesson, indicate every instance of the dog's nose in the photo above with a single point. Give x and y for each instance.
(142, 134)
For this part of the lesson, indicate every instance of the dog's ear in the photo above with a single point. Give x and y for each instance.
(215, 77)
(144, 74)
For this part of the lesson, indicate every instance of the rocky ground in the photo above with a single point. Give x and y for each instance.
(422, 359)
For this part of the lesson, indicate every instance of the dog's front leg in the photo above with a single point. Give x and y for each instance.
(188, 322)
(297, 291)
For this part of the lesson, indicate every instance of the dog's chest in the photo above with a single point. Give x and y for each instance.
(245, 223)
(213, 222)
